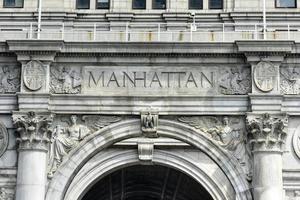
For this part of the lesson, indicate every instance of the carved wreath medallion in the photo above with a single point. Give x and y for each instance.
(3, 139)
(34, 75)
(265, 76)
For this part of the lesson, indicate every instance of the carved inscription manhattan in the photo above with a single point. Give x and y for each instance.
(165, 81)
(149, 81)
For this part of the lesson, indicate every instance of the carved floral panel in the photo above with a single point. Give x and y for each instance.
(34, 73)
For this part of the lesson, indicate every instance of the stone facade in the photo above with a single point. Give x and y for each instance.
(224, 113)
(67, 108)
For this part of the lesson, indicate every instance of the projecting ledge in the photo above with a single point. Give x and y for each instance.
(175, 105)
(270, 46)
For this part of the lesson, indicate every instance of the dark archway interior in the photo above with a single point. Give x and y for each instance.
(144, 182)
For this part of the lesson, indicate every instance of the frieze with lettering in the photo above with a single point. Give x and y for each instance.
(163, 81)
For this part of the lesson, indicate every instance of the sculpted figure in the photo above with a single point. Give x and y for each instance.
(290, 80)
(235, 82)
(228, 134)
(64, 140)
(229, 138)
(9, 79)
(148, 121)
(65, 81)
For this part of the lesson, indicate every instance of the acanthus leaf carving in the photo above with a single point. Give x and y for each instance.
(228, 133)
(266, 132)
(65, 80)
(34, 130)
(235, 81)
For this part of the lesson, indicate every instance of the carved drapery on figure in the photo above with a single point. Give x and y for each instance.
(229, 133)
(34, 130)
(149, 123)
(65, 80)
(266, 132)
(290, 80)
(10, 79)
(64, 140)
(68, 132)
(235, 81)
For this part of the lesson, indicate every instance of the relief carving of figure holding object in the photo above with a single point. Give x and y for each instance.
(9, 79)
(65, 80)
(230, 139)
(228, 133)
(64, 140)
(235, 81)
(290, 80)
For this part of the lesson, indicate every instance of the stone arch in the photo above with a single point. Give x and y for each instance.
(108, 161)
(109, 135)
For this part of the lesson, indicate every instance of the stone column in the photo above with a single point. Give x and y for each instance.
(33, 140)
(266, 135)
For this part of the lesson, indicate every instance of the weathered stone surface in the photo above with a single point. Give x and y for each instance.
(34, 130)
(155, 81)
(289, 80)
(267, 132)
(10, 79)
(69, 131)
(3, 138)
(65, 80)
(34, 75)
(229, 133)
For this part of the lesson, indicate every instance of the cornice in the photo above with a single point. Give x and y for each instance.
(124, 54)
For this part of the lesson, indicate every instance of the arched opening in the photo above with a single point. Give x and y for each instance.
(226, 181)
(151, 182)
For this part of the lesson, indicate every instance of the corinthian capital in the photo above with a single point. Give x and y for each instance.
(33, 129)
(267, 132)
